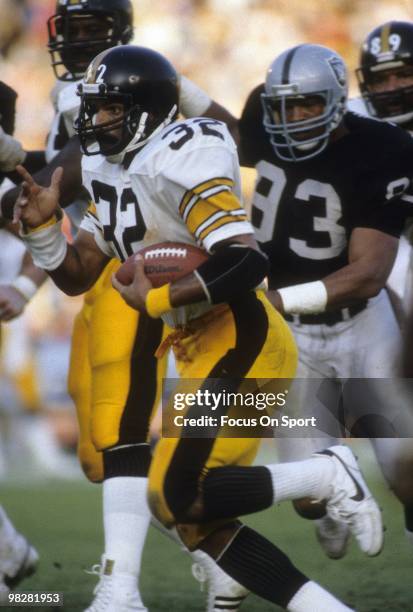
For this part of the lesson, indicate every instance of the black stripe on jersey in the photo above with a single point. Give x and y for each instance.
(204, 186)
(88, 213)
(188, 462)
(223, 216)
(285, 79)
(134, 425)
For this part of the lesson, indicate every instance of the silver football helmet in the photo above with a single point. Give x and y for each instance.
(303, 73)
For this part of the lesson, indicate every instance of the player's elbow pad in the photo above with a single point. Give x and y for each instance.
(232, 270)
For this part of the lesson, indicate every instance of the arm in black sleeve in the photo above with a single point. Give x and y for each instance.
(233, 269)
(8, 99)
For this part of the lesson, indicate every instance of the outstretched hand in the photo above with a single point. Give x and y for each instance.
(36, 204)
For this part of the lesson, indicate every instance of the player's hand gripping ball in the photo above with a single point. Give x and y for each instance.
(164, 262)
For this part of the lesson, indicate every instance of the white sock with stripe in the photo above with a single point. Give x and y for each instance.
(126, 519)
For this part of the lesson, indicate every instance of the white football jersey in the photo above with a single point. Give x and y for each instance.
(66, 104)
(179, 187)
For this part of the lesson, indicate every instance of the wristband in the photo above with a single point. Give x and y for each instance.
(307, 298)
(25, 286)
(47, 245)
(193, 101)
(158, 302)
(52, 221)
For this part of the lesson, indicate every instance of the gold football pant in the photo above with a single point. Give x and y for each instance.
(114, 378)
(17, 363)
(247, 339)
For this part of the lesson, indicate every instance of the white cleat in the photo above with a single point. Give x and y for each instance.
(115, 592)
(224, 594)
(333, 536)
(351, 502)
(18, 560)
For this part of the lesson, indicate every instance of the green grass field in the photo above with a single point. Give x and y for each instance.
(63, 521)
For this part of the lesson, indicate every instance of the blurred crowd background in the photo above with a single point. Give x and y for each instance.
(223, 45)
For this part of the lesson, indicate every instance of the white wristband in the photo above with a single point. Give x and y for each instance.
(193, 101)
(24, 285)
(308, 298)
(47, 246)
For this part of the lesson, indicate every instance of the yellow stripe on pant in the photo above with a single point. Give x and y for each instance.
(114, 379)
(248, 339)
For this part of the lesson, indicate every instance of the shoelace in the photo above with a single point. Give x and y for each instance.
(200, 574)
(95, 570)
(102, 589)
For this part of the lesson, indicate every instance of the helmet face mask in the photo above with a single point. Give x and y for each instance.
(80, 31)
(111, 137)
(385, 74)
(313, 79)
(139, 79)
(292, 138)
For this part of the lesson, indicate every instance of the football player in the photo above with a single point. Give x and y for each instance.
(14, 296)
(327, 211)
(113, 418)
(385, 77)
(183, 177)
(18, 559)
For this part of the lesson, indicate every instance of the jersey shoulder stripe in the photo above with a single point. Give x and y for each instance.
(206, 190)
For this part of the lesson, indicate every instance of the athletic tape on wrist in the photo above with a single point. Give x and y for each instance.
(47, 246)
(24, 285)
(307, 298)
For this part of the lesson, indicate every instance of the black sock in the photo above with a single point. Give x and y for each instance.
(127, 461)
(233, 491)
(408, 517)
(261, 567)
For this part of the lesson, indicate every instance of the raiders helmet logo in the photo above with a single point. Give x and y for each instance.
(338, 69)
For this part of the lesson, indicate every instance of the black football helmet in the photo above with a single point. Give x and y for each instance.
(388, 47)
(72, 46)
(144, 82)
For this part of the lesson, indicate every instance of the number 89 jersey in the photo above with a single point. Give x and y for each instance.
(304, 212)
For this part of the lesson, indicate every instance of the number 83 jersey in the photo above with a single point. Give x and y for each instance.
(182, 186)
(304, 212)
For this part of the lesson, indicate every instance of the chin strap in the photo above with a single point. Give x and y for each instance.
(136, 142)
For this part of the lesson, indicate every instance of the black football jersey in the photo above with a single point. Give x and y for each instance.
(8, 99)
(304, 212)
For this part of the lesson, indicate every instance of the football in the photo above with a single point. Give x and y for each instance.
(164, 262)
